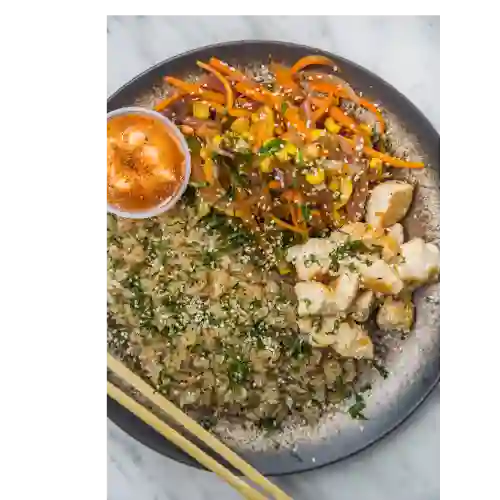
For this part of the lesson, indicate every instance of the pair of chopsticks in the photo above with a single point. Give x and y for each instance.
(127, 376)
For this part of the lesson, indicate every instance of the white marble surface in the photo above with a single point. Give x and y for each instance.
(405, 52)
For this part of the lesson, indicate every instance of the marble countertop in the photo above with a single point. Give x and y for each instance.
(405, 52)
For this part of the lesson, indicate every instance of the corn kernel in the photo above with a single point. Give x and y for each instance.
(282, 155)
(240, 125)
(283, 268)
(376, 164)
(315, 176)
(345, 192)
(290, 148)
(334, 185)
(265, 165)
(316, 134)
(201, 110)
(331, 126)
(216, 141)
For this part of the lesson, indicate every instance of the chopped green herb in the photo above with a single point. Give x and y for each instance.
(194, 145)
(356, 410)
(271, 147)
(306, 212)
(238, 370)
(284, 107)
(199, 185)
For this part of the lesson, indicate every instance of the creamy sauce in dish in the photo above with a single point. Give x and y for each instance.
(146, 165)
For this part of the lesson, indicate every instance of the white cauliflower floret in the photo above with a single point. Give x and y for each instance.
(395, 315)
(362, 306)
(388, 203)
(378, 276)
(318, 298)
(420, 261)
(312, 258)
(352, 341)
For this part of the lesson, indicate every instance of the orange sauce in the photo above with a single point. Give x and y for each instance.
(146, 165)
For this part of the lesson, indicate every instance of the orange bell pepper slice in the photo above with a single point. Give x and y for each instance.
(312, 60)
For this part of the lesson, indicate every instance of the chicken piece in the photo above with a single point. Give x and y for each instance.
(319, 329)
(317, 298)
(323, 325)
(373, 238)
(134, 136)
(420, 261)
(362, 306)
(122, 184)
(165, 174)
(388, 203)
(397, 232)
(395, 315)
(312, 258)
(151, 154)
(378, 276)
(352, 341)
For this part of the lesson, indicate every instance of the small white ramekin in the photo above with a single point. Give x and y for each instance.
(170, 202)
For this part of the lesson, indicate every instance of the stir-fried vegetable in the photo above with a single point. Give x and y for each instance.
(286, 152)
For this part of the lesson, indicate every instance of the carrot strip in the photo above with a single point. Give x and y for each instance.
(322, 106)
(309, 61)
(257, 93)
(292, 195)
(284, 77)
(285, 225)
(293, 118)
(371, 107)
(165, 103)
(223, 80)
(390, 160)
(340, 117)
(224, 68)
(192, 88)
(394, 162)
(274, 184)
(238, 112)
(327, 88)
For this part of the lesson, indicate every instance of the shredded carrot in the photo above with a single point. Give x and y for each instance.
(292, 195)
(342, 119)
(284, 77)
(390, 160)
(322, 106)
(321, 85)
(192, 88)
(239, 112)
(394, 162)
(285, 225)
(371, 107)
(293, 118)
(259, 94)
(165, 103)
(223, 80)
(310, 60)
(224, 68)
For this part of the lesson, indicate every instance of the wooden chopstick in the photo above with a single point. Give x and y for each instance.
(172, 435)
(192, 426)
